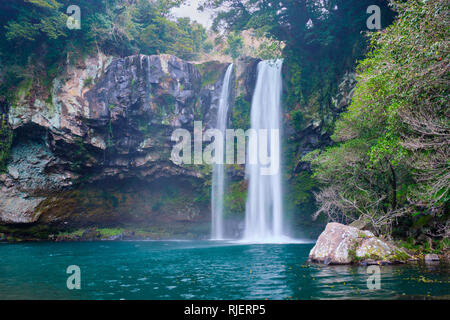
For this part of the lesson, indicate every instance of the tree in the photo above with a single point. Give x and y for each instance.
(235, 43)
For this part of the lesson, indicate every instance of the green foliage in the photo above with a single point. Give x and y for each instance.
(438, 246)
(6, 138)
(165, 36)
(235, 197)
(208, 72)
(298, 120)
(352, 252)
(269, 50)
(50, 22)
(294, 84)
(302, 186)
(241, 113)
(208, 46)
(23, 90)
(202, 187)
(109, 232)
(390, 160)
(36, 31)
(166, 105)
(235, 44)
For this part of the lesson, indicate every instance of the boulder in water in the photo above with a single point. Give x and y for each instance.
(341, 244)
(431, 258)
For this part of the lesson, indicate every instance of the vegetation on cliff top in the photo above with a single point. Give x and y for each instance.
(35, 33)
(322, 39)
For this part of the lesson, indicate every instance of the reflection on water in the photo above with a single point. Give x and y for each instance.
(396, 282)
(200, 270)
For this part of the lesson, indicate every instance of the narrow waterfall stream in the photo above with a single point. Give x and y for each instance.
(264, 212)
(218, 179)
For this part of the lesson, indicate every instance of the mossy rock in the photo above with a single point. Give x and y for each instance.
(341, 244)
(210, 72)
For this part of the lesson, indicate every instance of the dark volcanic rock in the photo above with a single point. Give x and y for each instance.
(212, 90)
(159, 89)
(107, 122)
(315, 134)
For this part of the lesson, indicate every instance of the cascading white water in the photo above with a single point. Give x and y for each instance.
(264, 212)
(218, 180)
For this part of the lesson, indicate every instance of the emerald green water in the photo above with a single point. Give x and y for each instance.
(200, 270)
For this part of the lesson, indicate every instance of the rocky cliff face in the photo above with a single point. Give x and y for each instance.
(316, 133)
(95, 147)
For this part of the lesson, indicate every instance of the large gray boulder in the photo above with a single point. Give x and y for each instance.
(341, 244)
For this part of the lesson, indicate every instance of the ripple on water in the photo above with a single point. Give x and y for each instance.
(200, 270)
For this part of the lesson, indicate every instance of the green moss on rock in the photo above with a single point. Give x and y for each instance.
(210, 72)
(241, 113)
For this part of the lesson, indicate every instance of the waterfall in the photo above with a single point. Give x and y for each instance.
(264, 212)
(218, 180)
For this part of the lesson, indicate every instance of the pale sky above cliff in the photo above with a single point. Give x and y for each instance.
(190, 10)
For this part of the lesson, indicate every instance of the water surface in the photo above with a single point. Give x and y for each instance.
(200, 270)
